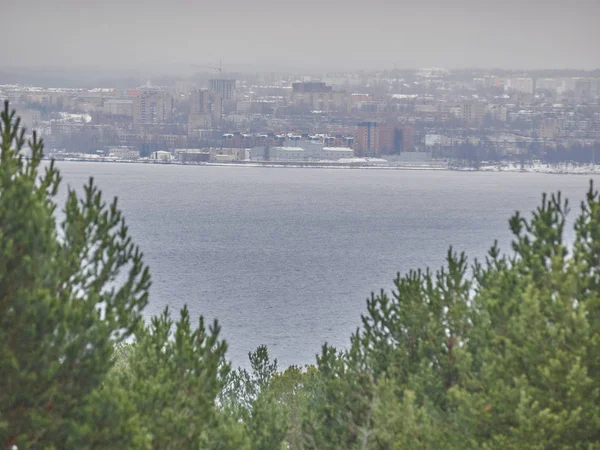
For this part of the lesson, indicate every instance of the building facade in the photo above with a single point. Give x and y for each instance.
(367, 138)
(306, 153)
(208, 102)
(152, 106)
(472, 112)
(205, 111)
(375, 138)
(224, 87)
(118, 107)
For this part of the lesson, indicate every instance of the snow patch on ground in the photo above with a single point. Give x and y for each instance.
(559, 168)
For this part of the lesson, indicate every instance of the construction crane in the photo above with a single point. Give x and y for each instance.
(218, 69)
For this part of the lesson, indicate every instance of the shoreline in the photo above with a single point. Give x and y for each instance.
(559, 169)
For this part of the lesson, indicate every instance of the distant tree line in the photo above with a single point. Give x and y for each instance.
(500, 354)
(577, 154)
(474, 154)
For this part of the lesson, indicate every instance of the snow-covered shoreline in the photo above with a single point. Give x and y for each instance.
(557, 169)
(561, 168)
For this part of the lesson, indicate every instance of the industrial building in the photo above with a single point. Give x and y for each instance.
(303, 152)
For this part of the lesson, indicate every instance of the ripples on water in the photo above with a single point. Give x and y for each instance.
(287, 257)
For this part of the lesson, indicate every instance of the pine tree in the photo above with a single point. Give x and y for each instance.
(250, 398)
(509, 358)
(534, 382)
(341, 412)
(174, 373)
(415, 334)
(63, 306)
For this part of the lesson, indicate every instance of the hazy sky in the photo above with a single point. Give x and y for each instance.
(305, 34)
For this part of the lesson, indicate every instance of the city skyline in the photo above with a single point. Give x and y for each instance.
(310, 36)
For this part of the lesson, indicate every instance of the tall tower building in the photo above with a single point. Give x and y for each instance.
(152, 106)
(224, 87)
(367, 138)
(205, 111)
(206, 102)
(394, 139)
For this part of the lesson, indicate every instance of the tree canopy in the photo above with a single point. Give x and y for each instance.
(500, 353)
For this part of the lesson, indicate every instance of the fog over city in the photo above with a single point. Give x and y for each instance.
(306, 35)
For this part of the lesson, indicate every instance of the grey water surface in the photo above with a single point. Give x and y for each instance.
(287, 257)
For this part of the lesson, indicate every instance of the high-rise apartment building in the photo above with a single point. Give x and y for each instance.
(394, 139)
(224, 87)
(367, 138)
(152, 106)
(205, 110)
(206, 102)
(374, 138)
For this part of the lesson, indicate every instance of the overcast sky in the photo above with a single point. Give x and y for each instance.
(304, 34)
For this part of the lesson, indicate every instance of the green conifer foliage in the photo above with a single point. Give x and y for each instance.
(62, 307)
(174, 373)
(534, 382)
(249, 396)
(507, 358)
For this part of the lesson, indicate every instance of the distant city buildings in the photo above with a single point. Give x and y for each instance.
(550, 128)
(183, 88)
(399, 115)
(126, 153)
(520, 84)
(311, 87)
(118, 107)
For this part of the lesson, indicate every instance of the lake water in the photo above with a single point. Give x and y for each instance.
(287, 257)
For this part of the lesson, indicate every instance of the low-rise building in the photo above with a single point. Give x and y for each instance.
(304, 153)
(128, 153)
(192, 155)
(162, 156)
(336, 153)
(472, 112)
